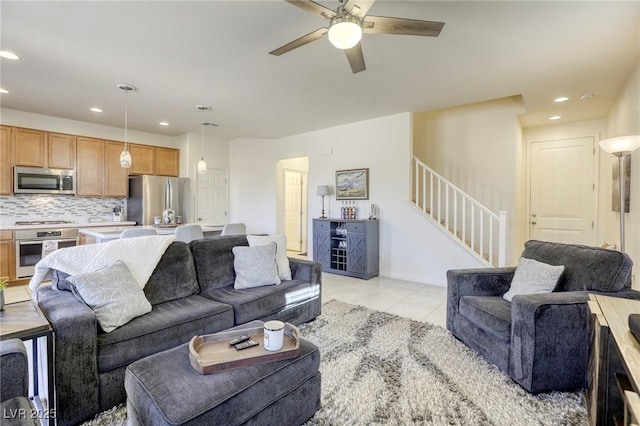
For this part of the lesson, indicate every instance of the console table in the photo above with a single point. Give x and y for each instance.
(614, 363)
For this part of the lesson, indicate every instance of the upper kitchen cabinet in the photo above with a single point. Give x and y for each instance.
(167, 161)
(116, 178)
(89, 163)
(35, 148)
(143, 159)
(6, 188)
(30, 147)
(61, 150)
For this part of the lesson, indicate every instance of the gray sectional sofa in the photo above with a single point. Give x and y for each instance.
(191, 293)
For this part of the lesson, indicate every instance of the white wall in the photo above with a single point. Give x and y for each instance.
(624, 119)
(478, 147)
(410, 247)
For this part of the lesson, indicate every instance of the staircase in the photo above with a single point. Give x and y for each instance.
(478, 229)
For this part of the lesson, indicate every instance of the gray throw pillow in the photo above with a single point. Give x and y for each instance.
(255, 266)
(284, 270)
(112, 293)
(533, 277)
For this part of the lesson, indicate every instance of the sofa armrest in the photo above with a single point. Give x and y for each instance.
(306, 270)
(14, 381)
(474, 282)
(76, 371)
(550, 340)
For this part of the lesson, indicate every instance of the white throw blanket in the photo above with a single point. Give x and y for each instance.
(140, 254)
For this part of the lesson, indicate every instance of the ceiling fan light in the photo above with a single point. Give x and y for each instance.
(345, 32)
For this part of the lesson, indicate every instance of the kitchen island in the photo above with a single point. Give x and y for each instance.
(101, 235)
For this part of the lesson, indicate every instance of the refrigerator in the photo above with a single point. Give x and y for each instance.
(150, 195)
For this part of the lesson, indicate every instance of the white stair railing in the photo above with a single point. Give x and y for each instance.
(473, 225)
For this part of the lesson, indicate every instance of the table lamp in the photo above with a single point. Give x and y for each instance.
(322, 190)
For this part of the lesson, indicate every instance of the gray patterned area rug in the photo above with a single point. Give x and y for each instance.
(379, 368)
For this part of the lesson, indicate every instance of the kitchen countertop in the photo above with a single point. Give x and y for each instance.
(11, 226)
(112, 233)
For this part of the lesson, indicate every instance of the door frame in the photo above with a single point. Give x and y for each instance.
(596, 179)
(304, 203)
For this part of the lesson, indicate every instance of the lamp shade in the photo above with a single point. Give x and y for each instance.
(125, 159)
(323, 190)
(202, 166)
(620, 144)
(344, 32)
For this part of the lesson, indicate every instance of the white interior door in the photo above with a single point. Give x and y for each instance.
(293, 209)
(212, 197)
(562, 190)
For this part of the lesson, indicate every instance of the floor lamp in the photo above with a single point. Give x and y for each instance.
(323, 190)
(621, 147)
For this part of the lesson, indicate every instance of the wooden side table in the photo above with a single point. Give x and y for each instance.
(24, 320)
(614, 364)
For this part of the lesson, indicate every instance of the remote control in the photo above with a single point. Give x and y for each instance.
(239, 340)
(245, 345)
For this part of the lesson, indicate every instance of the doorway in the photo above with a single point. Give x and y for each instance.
(293, 185)
(212, 197)
(562, 191)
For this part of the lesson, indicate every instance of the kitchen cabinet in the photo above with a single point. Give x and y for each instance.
(6, 175)
(143, 159)
(167, 161)
(116, 178)
(61, 151)
(7, 256)
(347, 247)
(89, 164)
(29, 147)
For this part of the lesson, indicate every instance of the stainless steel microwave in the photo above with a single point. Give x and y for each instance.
(34, 180)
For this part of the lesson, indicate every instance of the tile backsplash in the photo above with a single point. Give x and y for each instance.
(46, 205)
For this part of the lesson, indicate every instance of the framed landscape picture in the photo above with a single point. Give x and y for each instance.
(352, 184)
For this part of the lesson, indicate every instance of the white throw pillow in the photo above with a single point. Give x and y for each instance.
(255, 266)
(113, 294)
(284, 270)
(533, 277)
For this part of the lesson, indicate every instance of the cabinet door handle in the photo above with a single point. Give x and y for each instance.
(534, 222)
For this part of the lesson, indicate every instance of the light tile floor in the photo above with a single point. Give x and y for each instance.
(421, 302)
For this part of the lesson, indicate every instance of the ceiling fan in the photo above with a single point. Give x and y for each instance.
(347, 24)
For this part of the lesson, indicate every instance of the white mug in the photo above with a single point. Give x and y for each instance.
(273, 335)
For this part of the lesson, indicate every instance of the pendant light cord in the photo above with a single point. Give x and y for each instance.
(126, 118)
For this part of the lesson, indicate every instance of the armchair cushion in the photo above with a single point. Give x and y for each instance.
(492, 314)
(533, 277)
(14, 380)
(586, 268)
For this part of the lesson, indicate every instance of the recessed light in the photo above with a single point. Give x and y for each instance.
(3, 90)
(555, 117)
(9, 55)
(163, 123)
(561, 99)
(95, 109)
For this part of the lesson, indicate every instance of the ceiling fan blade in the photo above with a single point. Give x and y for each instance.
(388, 25)
(356, 58)
(358, 8)
(313, 7)
(305, 39)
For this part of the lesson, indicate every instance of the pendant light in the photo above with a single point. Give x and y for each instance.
(202, 165)
(125, 156)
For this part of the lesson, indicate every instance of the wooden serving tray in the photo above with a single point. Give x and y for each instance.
(211, 353)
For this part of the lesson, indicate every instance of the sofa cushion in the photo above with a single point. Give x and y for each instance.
(255, 266)
(586, 268)
(169, 324)
(259, 302)
(213, 258)
(284, 270)
(533, 277)
(490, 313)
(112, 293)
(175, 275)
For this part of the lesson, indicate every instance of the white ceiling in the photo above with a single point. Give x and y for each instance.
(180, 54)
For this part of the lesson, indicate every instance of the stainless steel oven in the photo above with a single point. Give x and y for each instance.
(29, 246)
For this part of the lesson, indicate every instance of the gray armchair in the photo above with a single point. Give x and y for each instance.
(540, 340)
(15, 406)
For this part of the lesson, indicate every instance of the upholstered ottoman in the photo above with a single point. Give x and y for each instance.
(163, 389)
